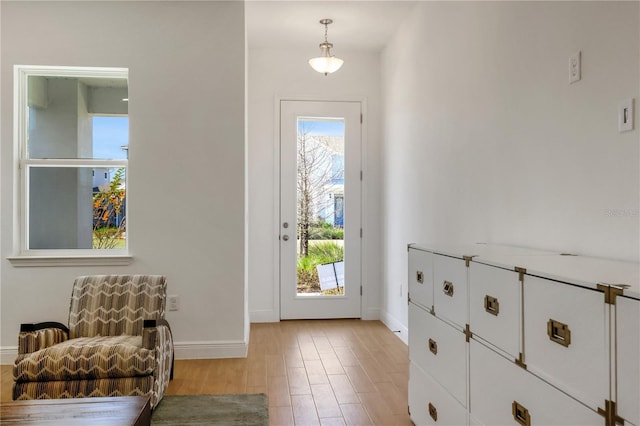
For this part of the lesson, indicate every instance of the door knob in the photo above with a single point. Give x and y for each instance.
(285, 237)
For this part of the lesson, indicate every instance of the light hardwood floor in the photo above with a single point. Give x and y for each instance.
(321, 372)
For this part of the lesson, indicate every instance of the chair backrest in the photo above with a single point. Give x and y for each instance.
(113, 305)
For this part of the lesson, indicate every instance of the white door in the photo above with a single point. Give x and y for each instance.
(320, 209)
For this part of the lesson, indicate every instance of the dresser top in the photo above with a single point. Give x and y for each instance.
(479, 249)
(577, 270)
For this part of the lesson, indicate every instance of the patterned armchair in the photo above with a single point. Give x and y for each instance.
(117, 343)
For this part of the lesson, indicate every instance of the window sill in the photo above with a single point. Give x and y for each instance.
(31, 261)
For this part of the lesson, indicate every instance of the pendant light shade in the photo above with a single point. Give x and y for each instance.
(326, 63)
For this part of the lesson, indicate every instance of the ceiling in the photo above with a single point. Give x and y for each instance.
(366, 25)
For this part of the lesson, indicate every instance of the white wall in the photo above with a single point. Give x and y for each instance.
(486, 140)
(285, 74)
(187, 146)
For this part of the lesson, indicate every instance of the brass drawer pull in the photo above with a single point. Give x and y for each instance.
(491, 305)
(420, 277)
(447, 288)
(520, 414)
(433, 412)
(433, 346)
(559, 332)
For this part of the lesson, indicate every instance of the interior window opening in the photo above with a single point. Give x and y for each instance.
(74, 158)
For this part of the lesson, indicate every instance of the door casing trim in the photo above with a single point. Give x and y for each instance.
(366, 312)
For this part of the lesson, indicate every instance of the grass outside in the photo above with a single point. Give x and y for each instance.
(114, 243)
(320, 252)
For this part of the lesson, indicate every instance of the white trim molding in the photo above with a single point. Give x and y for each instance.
(8, 355)
(109, 260)
(23, 254)
(182, 350)
(211, 349)
(367, 312)
(395, 325)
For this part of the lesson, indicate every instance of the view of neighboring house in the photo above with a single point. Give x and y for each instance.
(321, 168)
(330, 208)
(101, 179)
(102, 176)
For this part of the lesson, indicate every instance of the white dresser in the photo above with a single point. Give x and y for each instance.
(501, 335)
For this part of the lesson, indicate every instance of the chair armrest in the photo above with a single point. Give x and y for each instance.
(36, 336)
(150, 332)
(155, 323)
(156, 334)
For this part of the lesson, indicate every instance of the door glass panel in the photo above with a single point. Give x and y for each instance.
(320, 206)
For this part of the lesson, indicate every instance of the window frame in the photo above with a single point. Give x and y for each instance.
(25, 256)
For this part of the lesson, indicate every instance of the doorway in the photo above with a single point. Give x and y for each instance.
(320, 210)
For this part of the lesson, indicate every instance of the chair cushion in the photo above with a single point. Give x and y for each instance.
(87, 358)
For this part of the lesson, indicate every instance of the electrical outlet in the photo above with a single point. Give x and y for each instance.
(173, 302)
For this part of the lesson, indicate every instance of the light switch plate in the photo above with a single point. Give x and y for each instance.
(575, 67)
(625, 115)
(173, 302)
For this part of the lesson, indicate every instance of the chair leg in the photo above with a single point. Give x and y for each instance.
(173, 359)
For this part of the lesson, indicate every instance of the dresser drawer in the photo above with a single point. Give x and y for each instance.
(440, 350)
(628, 359)
(421, 277)
(495, 305)
(498, 386)
(430, 403)
(566, 338)
(450, 289)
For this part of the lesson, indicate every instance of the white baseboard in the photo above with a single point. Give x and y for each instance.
(396, 326)
(267, 315)
(270, 316)
(210, 350)
(8, 355)
(182, 350)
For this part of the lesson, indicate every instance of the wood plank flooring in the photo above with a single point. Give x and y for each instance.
(320, 372)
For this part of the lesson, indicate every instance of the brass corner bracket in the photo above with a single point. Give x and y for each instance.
(467, 332)
(610, 414)
(611, 291)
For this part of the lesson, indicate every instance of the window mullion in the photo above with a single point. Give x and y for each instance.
(74, 162)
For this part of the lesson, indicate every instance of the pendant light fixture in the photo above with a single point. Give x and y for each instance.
(326, 63)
